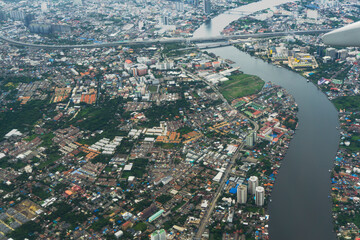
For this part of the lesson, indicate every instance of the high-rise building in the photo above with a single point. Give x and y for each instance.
(28, 19)
(165, 20)
(320, 50)
(252, 184)
(179, 5)
(342, 54)
(251, 139)
(140, 25)
(3, 15)
(259, 196)
(44, 7)
(331, 52)
(207, 7)
(241, 193)
(17, 15)
(159, 235)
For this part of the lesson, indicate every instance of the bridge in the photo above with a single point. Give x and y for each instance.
(163, 40)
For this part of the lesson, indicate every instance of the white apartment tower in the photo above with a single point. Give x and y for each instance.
(241, 193)
(252, 184)
(259, 196)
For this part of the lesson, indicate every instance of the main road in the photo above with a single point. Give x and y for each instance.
(206, 217)
(208, 212)
(219, 38)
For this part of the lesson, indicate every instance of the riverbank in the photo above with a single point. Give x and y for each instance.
(345, 174)
(307, 158)
(275, 110)
(345, 171)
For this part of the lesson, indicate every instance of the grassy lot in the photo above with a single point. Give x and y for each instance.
(152, 88)
(354, 143)
(138, 169)
(241, 85)
(350, 103)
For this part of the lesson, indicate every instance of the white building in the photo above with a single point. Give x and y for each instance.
(119, 234)
(252, 184)
(159, 235)
(259, 196)
(241, 194)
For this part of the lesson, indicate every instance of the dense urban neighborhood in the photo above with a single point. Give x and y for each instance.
(161, 141)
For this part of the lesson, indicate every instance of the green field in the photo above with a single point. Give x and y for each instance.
(349, 103)
(241, 85)
(152, 88)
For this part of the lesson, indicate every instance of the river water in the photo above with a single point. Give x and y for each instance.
(300, 207)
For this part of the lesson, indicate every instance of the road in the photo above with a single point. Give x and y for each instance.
(207, 215)
(162, 41)
(205, 220)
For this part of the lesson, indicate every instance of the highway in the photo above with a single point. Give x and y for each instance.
(163, 41)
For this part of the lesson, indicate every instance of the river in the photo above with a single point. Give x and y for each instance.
(300, 207)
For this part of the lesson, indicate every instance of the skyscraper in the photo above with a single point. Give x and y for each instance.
(331, 52)
(179, 5)
(158, 235)
(252, 184)
(207, 7)
(259, 196)
(44, 7)
(165, 20)
(241, 194)
(251, 139)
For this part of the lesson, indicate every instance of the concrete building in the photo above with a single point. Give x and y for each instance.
(331, 52)
(156, 216)
(44, 7)
(165, 20)
(342, 54)
(252, 184)
(3, 15)
(179, 5)
(312, 14)
(251, 139)
(119, 234)
(207, 7)
(241, 194)
(17, 15)
(159, 235)
(259, 196)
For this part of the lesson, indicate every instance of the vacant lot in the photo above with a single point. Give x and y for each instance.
(349, 103)
(241, 85)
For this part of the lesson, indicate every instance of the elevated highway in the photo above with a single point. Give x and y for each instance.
(162, 41)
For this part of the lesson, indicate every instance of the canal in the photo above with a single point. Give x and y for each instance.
(300, 207)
